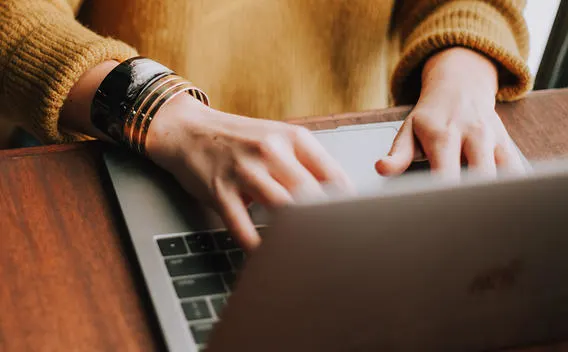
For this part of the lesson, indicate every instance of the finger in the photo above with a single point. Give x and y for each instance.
(296, 178)
(235, 215)
(261, 187)
(443, 150)
(401, 154)
(480, 155)
(320, 163)
(284, 167)
(508, 157)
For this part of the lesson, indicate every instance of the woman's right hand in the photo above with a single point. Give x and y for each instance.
(227, 160)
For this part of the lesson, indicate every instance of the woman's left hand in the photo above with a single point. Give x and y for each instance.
(455, 120)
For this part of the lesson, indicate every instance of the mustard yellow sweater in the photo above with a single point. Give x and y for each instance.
(263, 58)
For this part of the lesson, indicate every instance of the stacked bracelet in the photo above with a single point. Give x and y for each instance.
(130, 96)
(149, 102)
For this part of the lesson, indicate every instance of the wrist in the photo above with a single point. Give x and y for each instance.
(460, 69)
(128, 99)
(180, 114)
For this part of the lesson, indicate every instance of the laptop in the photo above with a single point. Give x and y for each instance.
(382, 272)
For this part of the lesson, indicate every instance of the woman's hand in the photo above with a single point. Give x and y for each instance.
(226, 160)
(222, 159)
(455, 120)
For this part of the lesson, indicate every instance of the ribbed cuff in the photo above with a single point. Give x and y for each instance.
(473, 25)
(53, 51)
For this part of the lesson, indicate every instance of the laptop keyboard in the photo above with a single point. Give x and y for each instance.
(202, 267)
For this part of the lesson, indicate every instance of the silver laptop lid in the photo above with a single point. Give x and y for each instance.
(476, 267)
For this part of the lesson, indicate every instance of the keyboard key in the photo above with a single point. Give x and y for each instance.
(237, 258)
(172, 246)
(200, 242)
(225, 240)
(195, 310)
(230, 279)
(198, 264)
(201, 332)
(218, 304)
(201, 286)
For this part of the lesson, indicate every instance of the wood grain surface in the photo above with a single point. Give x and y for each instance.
(65, 282)
(68, 280)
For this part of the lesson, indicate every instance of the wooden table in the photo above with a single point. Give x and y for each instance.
(68, 280)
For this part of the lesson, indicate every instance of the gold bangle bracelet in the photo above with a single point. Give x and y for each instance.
(141, 141)
(149, 106)
(141, 99)
(148, 103)
(146, 99)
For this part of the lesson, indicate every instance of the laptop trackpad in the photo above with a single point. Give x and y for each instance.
(357, 149)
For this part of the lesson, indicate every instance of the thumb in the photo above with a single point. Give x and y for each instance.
(401, 154)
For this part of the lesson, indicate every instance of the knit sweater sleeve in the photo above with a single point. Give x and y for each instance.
(495, 28)
(43, 52)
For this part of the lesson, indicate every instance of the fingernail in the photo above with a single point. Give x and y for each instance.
(382, 160)
(381, 164)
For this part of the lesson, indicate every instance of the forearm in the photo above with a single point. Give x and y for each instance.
(76, 112)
